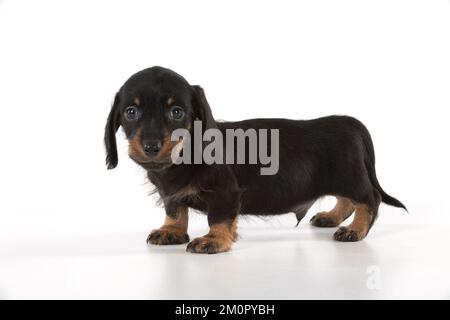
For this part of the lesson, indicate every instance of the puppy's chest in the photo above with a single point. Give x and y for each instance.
(179, 193)
(188, 196)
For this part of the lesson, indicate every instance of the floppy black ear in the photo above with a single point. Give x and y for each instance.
(112, 125)
(202, 109)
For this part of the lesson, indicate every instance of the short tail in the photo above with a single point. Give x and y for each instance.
(370, 164)
(390, 200)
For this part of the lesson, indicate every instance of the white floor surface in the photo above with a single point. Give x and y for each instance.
(107, 258)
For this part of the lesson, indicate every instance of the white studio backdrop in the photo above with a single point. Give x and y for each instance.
(61, 62)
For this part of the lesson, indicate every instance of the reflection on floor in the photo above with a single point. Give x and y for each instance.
(272, 260)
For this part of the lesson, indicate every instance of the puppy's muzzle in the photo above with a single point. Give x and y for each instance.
(152, 147)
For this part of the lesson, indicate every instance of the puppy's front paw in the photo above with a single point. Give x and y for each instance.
(208, 244)
(165, 236)
(346, 234)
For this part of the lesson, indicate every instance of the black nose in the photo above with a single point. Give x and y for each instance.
(152, 148)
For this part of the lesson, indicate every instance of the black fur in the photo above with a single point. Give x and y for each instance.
(327, 156)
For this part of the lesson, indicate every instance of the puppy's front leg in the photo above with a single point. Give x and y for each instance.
(174, 229)
(222, 220)
(219, 238)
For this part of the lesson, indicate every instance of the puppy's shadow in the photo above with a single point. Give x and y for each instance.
(167, 249)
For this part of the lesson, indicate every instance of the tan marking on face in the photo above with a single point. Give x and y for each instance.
(136, 151)
(177, 148)
(137, 102)
(170, 101)
(166, 149)
(135, 146)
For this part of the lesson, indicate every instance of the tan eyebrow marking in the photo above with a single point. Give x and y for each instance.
(137, 101)
(170, 101)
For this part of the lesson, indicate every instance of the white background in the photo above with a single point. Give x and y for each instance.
(71, 229)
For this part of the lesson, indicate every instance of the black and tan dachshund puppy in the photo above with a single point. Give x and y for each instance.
(326, 156)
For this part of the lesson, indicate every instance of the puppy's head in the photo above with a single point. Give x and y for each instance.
(150, 106)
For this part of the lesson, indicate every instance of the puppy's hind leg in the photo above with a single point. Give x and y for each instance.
(366, 211)
(359, 227)
(341, 211)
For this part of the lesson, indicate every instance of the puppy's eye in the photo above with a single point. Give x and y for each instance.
(131, 113)
(176, 113)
